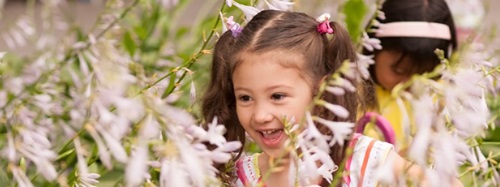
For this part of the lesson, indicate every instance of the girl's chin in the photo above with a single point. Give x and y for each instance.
(276, 153)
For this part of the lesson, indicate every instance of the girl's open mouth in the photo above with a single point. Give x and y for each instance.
(272, 138)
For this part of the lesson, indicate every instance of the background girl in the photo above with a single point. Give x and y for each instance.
(410, 33)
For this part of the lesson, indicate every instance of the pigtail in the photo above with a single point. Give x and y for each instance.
(337, 50)
(340, 49)
(222, 105)
(341, 45)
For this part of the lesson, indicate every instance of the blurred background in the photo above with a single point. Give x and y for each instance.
(161, 50)
(83, 13)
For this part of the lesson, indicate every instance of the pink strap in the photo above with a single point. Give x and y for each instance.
(382, 124)
(241, 173)
(355, 139)
(414, 29)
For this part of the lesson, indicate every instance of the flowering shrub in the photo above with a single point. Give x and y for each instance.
(116, 104)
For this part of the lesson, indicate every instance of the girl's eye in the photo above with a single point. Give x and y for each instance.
(245, 98)
(278, 96)
(400, 71)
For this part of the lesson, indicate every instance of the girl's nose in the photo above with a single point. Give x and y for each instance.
(262, 114)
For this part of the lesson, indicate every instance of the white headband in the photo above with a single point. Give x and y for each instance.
(414, 29)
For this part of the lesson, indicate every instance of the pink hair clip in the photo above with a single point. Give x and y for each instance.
(324, 24)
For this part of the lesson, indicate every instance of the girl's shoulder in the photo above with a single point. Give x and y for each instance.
(247, 170)
(368, 156)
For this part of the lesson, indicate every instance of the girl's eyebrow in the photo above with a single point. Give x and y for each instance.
(278, 86)
(239, 88)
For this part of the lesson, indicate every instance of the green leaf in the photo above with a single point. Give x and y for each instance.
(171, 85)
(181, 33)
(141, 32)
(65, 154)
(129, 44)
(355, 11)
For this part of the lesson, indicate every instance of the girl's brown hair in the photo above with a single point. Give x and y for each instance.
(278, 30)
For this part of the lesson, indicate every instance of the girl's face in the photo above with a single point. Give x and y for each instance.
(266, 91)
(391, 69)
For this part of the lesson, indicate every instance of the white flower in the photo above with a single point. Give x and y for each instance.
(371, 43)
(14, 85)
(172, 173)
(114, 146)
(44, 102)
(311, 133)
(104, 154)
(151, 128)
(20, 177)
(338, 110)
(340, 130)
(444, 156)
(335, 90)
(89, 179)
(194, 164)
(219, 157)
(84, 68)
(10, 151)
(177, 116)
(344, 83)
(130, 109)
(380, 15)
(481, 158)
(229, 3)
(229, 146)
(279, 4)
(168, 4)
(215, 133)
(82, 164)
(308, 164)
(249, 11)
(363, 64)
(423, 108)
(137, 166)
(42, 159)
(196, 132)
(467, 14)
(315, 160)
(350, 70)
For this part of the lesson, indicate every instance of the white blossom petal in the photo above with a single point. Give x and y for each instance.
(249, 11)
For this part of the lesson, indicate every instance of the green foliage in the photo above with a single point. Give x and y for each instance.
(355, 13)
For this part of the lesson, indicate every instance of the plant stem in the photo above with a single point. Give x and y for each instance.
(188, 64)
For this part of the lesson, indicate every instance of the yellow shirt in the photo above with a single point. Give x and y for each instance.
(389, 108)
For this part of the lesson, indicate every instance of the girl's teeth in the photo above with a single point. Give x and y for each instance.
(268, 132)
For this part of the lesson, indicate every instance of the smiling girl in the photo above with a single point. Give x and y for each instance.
(272, 68)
